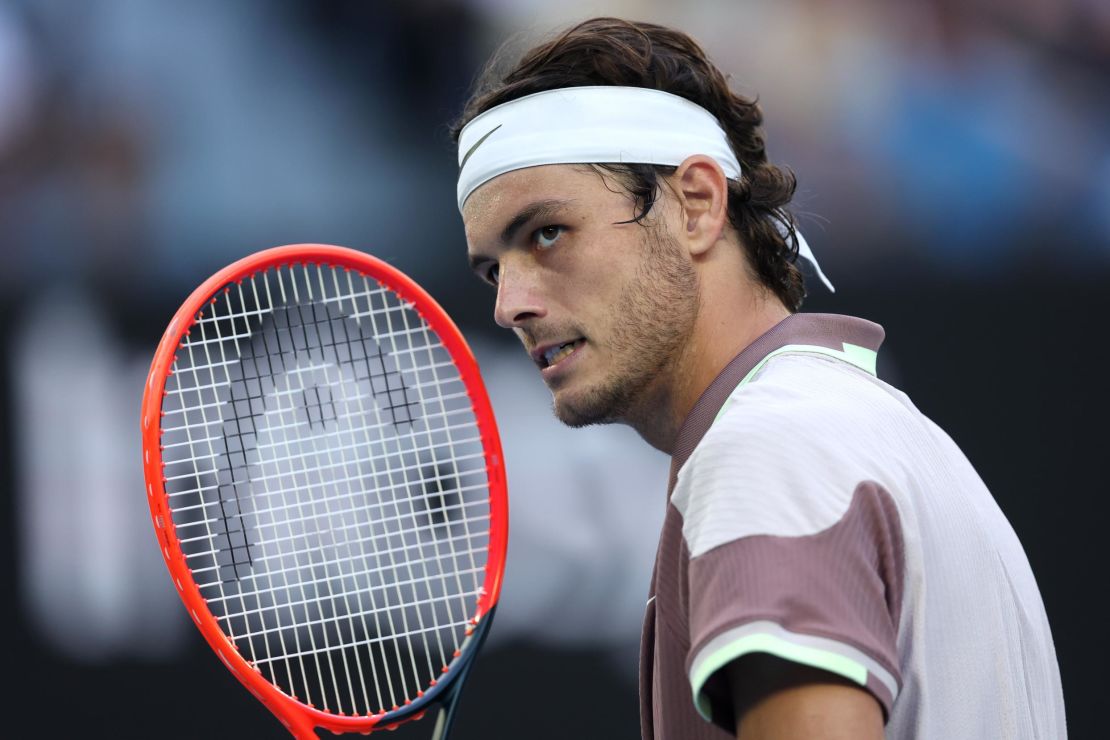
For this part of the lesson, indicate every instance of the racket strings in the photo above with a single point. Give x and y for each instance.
(429, 528)
(326, 474)
(189, 465)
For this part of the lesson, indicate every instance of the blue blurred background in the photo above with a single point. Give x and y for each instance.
(954, 170)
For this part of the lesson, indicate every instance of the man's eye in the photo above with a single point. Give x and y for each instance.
(492, 273)
(546, 236)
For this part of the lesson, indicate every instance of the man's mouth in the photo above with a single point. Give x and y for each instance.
(555, 353)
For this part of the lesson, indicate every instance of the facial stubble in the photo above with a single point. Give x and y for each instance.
(653, 321)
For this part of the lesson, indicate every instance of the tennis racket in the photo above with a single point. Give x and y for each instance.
(325, 479)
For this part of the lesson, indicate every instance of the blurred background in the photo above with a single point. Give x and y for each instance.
(954, 170)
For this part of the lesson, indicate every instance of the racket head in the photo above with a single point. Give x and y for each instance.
(406, 300)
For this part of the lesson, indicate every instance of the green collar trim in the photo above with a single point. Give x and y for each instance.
(861, 357)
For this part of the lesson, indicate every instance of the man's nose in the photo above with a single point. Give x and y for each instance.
(518, 299)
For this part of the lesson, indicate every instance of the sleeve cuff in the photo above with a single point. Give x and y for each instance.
(768, 637)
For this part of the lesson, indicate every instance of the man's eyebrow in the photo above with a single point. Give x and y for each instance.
(529, 212)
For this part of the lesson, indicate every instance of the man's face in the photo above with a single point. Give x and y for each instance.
(603, 308)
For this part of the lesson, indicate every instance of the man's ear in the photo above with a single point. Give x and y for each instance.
(702, 190)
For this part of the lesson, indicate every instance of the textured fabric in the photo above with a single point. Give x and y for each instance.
(821, 518)
(842, 584)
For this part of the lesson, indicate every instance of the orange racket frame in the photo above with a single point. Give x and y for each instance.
(300, 718)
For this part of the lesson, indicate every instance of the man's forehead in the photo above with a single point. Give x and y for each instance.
(495, 202)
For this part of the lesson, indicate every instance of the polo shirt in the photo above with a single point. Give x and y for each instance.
(816, 515)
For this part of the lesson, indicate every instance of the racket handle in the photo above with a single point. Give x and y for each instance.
(446, 717)
(303, 731)
(447, 710)
(443, 721)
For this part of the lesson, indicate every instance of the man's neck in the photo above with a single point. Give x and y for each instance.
(720, 334)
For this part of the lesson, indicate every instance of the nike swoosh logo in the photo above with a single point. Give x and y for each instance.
(478, 143)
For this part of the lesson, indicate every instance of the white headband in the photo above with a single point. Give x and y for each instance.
(594, 125)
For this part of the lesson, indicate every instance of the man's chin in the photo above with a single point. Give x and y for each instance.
(595, 408)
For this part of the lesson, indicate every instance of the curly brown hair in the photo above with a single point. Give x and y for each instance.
(612, 51)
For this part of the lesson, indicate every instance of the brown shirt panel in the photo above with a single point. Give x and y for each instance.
(844, 583)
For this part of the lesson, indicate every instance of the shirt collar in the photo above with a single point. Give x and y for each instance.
(842, 334)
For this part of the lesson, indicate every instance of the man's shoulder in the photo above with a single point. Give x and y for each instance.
(806, 396)
(787, 453)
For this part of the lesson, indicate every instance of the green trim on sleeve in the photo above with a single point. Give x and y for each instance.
(708, 664)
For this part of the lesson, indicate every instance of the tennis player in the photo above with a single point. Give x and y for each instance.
(830, 565)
